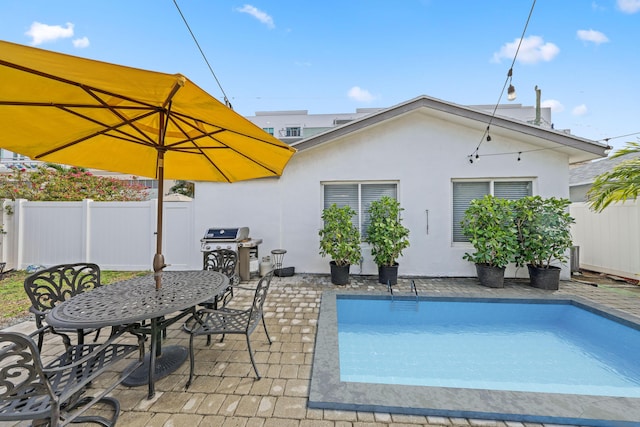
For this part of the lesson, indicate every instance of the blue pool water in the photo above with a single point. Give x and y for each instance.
(542, 347)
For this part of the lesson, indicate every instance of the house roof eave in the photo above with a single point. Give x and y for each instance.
(578, 149)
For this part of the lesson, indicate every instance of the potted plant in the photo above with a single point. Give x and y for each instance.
(387, 237)
(489, 224)
(340, 239)
(544, 237)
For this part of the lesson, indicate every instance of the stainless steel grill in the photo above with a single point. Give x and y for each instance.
(236, 239)
(218, 238)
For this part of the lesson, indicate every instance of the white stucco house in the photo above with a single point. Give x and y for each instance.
(432, 155)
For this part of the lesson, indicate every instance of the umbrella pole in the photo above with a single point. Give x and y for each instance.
(158, 259)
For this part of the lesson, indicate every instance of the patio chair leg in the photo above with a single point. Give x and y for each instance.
(115, 405)
(264, 324)
(40, 340)
(41, 333)
(253, 362)
(191, 361)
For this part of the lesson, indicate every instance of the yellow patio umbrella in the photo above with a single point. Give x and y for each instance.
(75, 111)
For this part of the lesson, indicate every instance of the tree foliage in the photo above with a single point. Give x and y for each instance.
(544, 230)
(55, 183)
(386, 234)
(490, 225)
(186, 188)
(340, 238)
(621, 183)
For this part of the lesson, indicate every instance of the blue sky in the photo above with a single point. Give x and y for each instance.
(336, 56)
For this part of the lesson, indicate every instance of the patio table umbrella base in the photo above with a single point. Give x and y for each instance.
(169, 361)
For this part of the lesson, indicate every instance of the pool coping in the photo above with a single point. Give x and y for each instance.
(328, 392)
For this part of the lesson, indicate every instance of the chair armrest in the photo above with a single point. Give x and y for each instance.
(37, 312)
(222, 310)
(41, 330)
(244, 288)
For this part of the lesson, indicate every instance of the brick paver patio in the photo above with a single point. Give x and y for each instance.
(225, 393)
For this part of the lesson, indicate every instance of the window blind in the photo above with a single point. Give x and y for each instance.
(463, 194)
(512, 190)
(370, 193)
(359, 196)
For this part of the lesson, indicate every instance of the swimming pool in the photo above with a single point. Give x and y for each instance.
(339, 382)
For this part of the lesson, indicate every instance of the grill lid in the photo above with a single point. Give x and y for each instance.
(228, 234)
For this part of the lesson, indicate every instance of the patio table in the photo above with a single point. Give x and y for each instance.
(137, 300)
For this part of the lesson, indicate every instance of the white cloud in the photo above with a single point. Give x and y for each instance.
(580, 110)
(42, 33)
(358, 94)
(81, 43)
(629, 6)
(555, 105)
(258, 14)
(532, 50)
(592, 36)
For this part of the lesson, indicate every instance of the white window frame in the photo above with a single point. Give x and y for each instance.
(491, 182)
(360, 219)
(293, 131)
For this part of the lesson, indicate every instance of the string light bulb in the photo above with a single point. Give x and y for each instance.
(519, 155)
(511, 91)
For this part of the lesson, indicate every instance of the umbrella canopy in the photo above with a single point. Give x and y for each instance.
(65, 109)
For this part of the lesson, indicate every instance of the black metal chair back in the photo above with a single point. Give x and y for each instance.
(49, 287)
(224, 261)
(227, 320)
(25, 391)
(54, 393)
(257, 308)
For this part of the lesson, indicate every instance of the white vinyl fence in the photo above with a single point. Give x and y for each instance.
(609, 241)
(114, 235)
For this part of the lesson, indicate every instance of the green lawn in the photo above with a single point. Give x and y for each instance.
(14, 300)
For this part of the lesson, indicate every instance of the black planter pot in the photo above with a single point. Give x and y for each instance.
(490, 276)
(544, 278)
(388, 274)
(339, 273)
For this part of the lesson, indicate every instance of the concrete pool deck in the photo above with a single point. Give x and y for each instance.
(225, 393)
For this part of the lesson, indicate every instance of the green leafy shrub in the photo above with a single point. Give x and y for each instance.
(489, 223)
(55, 183)
(544, 230)
(340, 238)
(386, 234)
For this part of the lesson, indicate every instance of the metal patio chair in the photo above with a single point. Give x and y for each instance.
(227, 320)
(56, 393)
(223, 261)
(51, 286)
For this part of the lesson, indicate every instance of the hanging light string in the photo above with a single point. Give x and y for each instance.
(486, 136)
(616, 137)
(226, 100)
(519, 153)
